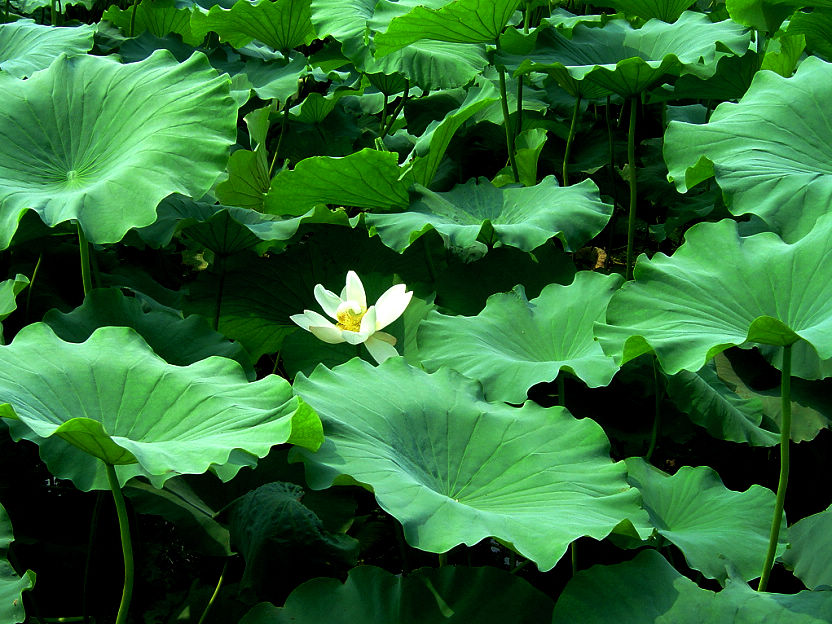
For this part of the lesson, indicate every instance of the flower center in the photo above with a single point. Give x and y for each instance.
(349, 314)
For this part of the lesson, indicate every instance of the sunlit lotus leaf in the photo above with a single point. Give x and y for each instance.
(709, 523)
(26, 47)
(767, 15)
(9, 289)
(692, 305)
(177, 340)
(770, 152)
(809, 547)
(454, 469)
(816, 27)
(647, 590)
(93, 140)
(459, 21)
(473, 215)
(158, 17)
(366, 179)
(12, 586)
(282, 24)
(113, 399)
(665, 10)
(627, 61)
(276, 81)
(515, 343)
(448, 595)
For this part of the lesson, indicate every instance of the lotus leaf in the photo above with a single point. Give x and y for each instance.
(93, 140)
(695, 304)
(12, 586)
(808, 549)
(515, 343)
(455, 469)
(665, 10)
(158, 17)
(26, 47)
(9, 289)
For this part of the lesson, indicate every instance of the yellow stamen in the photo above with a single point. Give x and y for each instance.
(349, 315)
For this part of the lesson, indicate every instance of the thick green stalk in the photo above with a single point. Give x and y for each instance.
(518, 128)
(507, 122)
(782, 482)
(570, 138)
(657, 417)
(215, 594)
(397, 111)
(132, 32)
(283, 126)
(383, 123)
(86, 276)
(631, 179)
(126, 544)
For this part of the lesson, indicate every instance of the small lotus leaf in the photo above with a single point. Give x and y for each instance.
(809, 547)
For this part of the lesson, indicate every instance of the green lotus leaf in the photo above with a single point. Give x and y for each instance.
(711, 403)
(341, 20)
(26, 47)
(708, 522)
(477, 213)
(93, 140)
(9, 289)
(805, 361)
(695, 304)
(809, 545)
(459, 21)
(366, 179)
(114, 399)
(515, 343)
(783, 53)
(275, 81)
(665, 10)
(647, 590)
(770, 152)
(248, 181)
(816, 27)
(627, 61)
(452, 595)
(12, 585)
(731, 80)
(455, 469)
(282, 24)
(177, 340)
(158, 17)
(767, 15)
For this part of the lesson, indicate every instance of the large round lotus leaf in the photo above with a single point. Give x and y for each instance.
(627, 61)
(455, 469)
(158, 17)
(26, 47)
(93, 140)
(281, 24)
(647, 590)
(810, 542)
(709, 523)
(771, 152)
(114, 399)
(12, 586)
(477, 211)
(697, 303)
(452, 595)
(515, 343)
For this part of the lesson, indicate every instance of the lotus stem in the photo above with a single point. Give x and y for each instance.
(657, 418)
(283, 126)
(84, 248)
(397, 110)
(383, 123)
(215, 594)
(96, 514)
(220, 292)
(561, 390)
(507, 122)
(518, 128)
(443, 559)
(782, 482)
(126, 544)
(631, 179)
(31, 285)
(570, 138)
(133, 19)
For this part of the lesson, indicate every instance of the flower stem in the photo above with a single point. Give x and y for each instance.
(507, 122)
(215, 594)
(126, 544)
(84, 248)
(785, 437)
(133, 19)
(570, 138)
(631, 157)
(657, 418)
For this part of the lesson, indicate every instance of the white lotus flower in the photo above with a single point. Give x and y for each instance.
(355, 322)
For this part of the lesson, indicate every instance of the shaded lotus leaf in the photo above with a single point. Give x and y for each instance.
(731, 80)
(454, 469)
(459, 21)
(816, 27)
(93, 140)
(515, 343)
(695, 304)
(770, 152)
(113, 399)
(316, 106)
(766, 15)
(809, 546)
(627, 61)
(12, 586)
(158, 17)
(276, 81)
(709, 523)
(711, 403)
(665, 10)
(248, 181)
(366, 179)
(452, 594)
(475, 214)
(281, 24)
(9, 289)
(272, 530)
(26, 47)
(177, 340)
(805, 361)
(647, 590)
